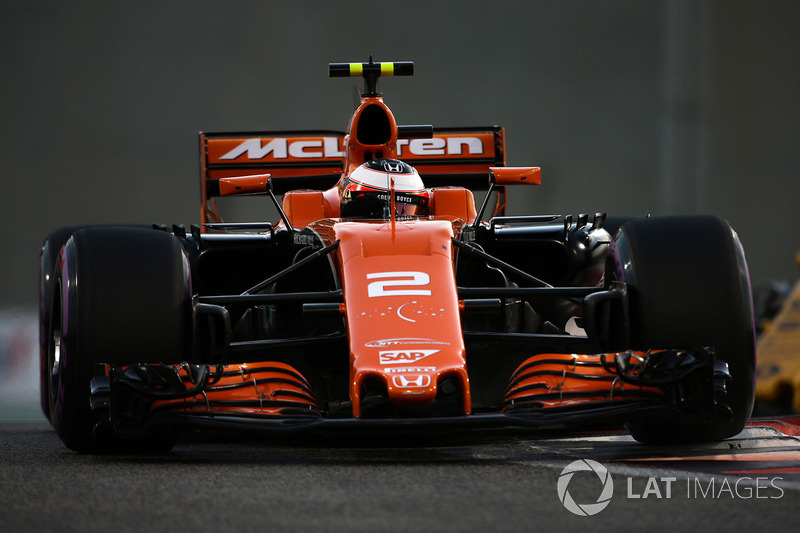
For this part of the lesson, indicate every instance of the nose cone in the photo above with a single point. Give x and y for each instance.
(402, 311)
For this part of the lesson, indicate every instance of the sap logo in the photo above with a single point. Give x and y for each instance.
(412, 381)
(440, 146)
(283, 149)
(403, 357)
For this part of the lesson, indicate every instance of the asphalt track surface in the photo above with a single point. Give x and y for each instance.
(213, 482)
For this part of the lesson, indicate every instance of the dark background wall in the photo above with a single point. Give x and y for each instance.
(630, 107)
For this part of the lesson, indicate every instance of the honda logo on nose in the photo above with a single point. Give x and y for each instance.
(406, 381)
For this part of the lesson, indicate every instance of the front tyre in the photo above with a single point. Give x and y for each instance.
(51, 247)
(47, 259)
(689, 287)
(119, 295)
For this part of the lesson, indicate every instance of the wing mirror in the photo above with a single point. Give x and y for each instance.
(515, 175)
(502, 176)
(256, 184)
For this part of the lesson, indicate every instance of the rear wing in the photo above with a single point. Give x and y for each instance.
(314, 159)
(305, 159)
(456, 156)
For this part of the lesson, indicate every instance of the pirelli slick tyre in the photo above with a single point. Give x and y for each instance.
(613, 223)
(48, 255)
(689, 286)
(47, 260)
(119, 295)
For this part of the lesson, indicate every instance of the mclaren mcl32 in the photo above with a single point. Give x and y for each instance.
(384, 298)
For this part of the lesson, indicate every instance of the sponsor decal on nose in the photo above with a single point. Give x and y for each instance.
(411, 381)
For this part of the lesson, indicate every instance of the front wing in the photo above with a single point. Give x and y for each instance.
(547, 392)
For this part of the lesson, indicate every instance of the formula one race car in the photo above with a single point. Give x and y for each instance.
(383, 301)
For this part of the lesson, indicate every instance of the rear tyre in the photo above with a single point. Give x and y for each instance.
(689, 287)
(613, 223)
(120, 295)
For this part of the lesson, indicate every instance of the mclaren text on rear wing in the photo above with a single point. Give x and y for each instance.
(314, 159)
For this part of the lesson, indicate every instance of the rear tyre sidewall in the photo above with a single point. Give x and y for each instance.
(688, 288)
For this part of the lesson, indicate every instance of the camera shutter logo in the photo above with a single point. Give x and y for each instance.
(585, 509)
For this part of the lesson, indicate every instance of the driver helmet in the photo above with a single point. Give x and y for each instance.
(367, 191)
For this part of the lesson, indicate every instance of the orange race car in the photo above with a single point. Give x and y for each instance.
(385, 299)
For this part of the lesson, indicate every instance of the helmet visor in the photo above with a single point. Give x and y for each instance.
(410, 205)
(377, 204)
